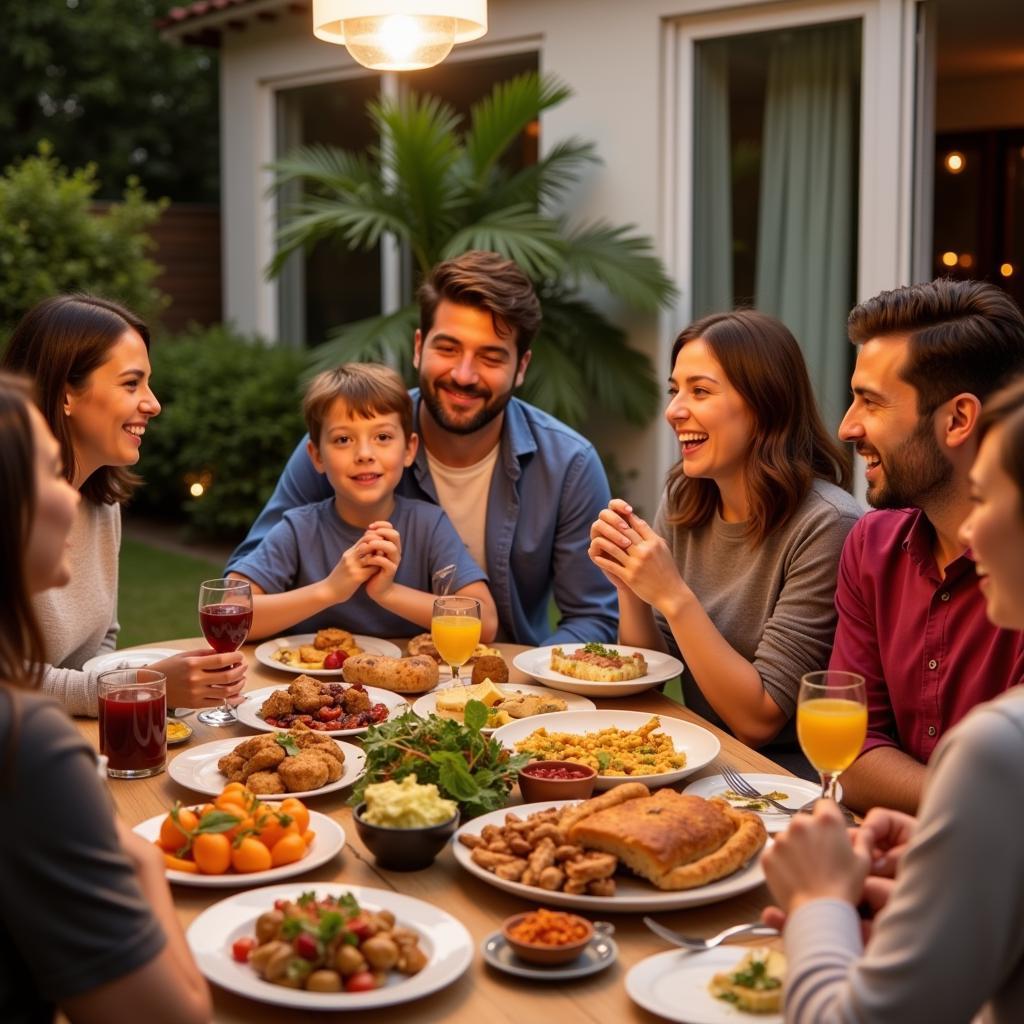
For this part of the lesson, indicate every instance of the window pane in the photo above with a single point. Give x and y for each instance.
(329, 285)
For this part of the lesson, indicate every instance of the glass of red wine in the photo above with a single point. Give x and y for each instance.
(225, 615)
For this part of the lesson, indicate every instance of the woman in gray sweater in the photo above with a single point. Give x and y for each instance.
(948, 888)
(738, 572)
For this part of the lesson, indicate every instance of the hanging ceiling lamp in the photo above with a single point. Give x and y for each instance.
(399, 35)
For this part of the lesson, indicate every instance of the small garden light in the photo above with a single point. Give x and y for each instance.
(399, 35)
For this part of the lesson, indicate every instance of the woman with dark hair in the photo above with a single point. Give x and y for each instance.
(738, 573)
(86, 917)
(90, 362)
(955, 871)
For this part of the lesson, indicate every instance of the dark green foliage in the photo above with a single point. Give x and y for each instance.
(231, 417)
(51, 241)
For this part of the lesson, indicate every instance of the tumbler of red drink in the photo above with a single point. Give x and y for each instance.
(133, 721)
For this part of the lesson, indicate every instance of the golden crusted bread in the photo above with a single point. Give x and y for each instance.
(417, 674)
(675, 841)
(607, 667)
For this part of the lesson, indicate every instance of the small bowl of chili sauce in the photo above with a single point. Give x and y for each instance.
(556, 780)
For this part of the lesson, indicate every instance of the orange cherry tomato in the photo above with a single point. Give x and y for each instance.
(172, 838)
(296, 809)
(250, 855)
(212, 853)
(288, 850)
(180, 864)
(308, 836)
(271, 830)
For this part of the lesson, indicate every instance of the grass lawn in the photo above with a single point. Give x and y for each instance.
(158, 593)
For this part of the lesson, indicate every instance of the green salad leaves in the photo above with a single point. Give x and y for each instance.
(466, 766)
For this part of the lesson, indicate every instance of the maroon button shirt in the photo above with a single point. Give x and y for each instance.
(923, 644)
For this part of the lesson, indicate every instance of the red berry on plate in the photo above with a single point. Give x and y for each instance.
(335, 659)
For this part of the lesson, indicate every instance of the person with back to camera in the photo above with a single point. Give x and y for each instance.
(90, 361)
(86, 918)
(737, 574)
(943, 895)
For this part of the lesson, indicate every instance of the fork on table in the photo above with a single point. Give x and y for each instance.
(738, 784)
(695, 944)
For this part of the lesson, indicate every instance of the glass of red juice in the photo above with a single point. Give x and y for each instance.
(133, 721)
(225, 616)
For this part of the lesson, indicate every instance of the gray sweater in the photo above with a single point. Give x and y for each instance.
(951, 940)
(774, 604)
(79, 620)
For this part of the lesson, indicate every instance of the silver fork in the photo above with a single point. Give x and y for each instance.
(695, 944)
(738, 784)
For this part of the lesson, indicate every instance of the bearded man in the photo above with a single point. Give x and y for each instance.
(911, 613)
(520, 487)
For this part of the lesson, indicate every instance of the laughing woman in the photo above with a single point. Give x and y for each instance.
(90, 362)
(956, 870)
(737, 574)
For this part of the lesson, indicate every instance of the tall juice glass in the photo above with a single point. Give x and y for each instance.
(225, 617)
(455, 630)
(831, 723)
(133, 721)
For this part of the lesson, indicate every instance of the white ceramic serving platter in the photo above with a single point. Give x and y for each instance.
(249, 711)
(674, 985)
(446, 942)
(140, 657)
(699, 745)
(197, 769)
(427, 704)
(329, 839)
(632, 895)
(370, 645)
(798, 792)
(537, 663)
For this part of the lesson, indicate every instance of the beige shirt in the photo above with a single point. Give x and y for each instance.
(462, 493)
(79, 620)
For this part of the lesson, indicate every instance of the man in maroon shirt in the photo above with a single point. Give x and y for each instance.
(911, 617)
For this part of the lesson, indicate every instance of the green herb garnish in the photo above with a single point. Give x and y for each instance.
(291, 748)
(603, 760)
(600, 650)
(466, 766)
(756, 976)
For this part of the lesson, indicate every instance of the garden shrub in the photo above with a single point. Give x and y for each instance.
(231, 417)
(52, 240)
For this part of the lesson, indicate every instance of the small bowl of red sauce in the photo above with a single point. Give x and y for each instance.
(556, 780)
(547, 937)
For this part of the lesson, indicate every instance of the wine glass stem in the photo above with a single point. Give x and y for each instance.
(828, 785)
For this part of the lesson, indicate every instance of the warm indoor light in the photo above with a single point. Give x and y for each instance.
(949, 258)
(196, 490)
(966, 260)
(1006, 269)
(399, 35)
(955, 162)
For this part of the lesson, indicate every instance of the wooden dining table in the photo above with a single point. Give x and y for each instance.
(482, 994)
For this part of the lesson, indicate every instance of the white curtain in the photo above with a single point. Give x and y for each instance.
(807, 202)
(712, 192)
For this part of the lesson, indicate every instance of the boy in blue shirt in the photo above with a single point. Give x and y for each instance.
(363, 559)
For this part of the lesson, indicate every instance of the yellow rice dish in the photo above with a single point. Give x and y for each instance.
(611, 751)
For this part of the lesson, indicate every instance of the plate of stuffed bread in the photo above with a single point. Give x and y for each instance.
(625, 850)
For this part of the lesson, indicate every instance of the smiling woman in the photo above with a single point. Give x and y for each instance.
(738, 573)
(90, 361)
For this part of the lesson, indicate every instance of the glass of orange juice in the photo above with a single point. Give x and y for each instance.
(831, 723)
(455, 630)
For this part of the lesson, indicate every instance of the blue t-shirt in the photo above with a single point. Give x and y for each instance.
(305, 547)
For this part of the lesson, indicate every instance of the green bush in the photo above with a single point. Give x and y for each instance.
(52, 241)
(231, 417)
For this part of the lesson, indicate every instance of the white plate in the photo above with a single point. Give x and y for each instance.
(674, 985)
(427, 704)
(446, 942)
(329, 839)
(369, 644)
(537, 663)
(248, 711)
(137, 658)
(197, 769)
(632, 895)
(798, 792)
(700, 746)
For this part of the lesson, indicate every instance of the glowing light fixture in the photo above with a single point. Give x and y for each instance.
(399, 35)
(955, 162)
(966, 260)
(1006, 269)
(949, 259)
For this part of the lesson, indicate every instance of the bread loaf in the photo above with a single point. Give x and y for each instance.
(417, 674)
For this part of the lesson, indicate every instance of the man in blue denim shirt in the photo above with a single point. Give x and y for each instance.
(521, 488)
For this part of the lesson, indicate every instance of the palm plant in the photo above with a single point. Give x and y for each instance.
(440, 192)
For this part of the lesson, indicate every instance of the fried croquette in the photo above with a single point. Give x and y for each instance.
(334, 766)
(307, 695)
(265, 759)
(331, 639)
(247, 748)
(302, 772)
(309, 655)
(277, 704)
(265, 783)
(231, 765)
